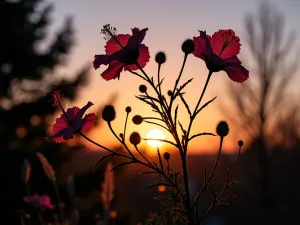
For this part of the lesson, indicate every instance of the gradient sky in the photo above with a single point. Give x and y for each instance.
(170, 22)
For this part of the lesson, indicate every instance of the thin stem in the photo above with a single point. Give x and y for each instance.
(135, 73)
(187, 190)
(231, 174)
(124, 133)
(157, 124)
(236, 162)
(121, 141)
(204, 89)
(211, 176)
(158, 78)
(194, 114)
(137, 149)
(177, 81)
(152, 118)
(218, 157)
(95, 143)
(161, 140)
(162, 112)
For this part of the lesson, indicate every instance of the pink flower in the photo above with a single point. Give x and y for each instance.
(118, 58)
(71, 122)
(220, 53)
(40, 202)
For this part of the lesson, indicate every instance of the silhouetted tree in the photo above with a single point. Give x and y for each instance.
(261, 105)
(29, 60)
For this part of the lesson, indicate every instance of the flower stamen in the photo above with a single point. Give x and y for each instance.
(57, 100)
(110, 33)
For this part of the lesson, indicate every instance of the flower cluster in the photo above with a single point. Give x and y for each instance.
(125, 52)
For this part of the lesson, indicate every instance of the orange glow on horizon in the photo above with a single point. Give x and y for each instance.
(155, 134)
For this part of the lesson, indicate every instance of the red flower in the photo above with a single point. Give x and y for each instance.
(71, 122)
(220, 53)
(118, 58)
(41, 202)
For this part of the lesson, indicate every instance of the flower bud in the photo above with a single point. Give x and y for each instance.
(109, 113)
(222, 129)
(167, 156)
(128, 109)
(160, 58)
(135, 138)
(143, 88)
(170, 92)
(137, 119)
(188, 46)
(240, 143)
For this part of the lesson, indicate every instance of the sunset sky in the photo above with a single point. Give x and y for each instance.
(170, 22)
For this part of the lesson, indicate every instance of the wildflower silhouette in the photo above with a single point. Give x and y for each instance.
(71, 121)
(220, 53)
(126, 52)
(123, 51)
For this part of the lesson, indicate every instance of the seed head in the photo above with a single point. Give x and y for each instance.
(128, 109)
(137, 119)
(188, 46)
(167, 156)
(143, 88)
(160, 58)
(109, 113)
(135, 138)
(240, 143)
(222, 129)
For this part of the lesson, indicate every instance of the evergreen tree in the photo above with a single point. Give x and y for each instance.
(29, 60)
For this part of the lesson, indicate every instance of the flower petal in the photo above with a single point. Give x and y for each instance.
(237, 72)
(203, 49)
(113, 71)
(225, 44)
(140, 33)
(99, 60)
(81, 111)
(136, 39)
(89, 122)
(112, 46)
(60, 136)
(60, 124)
(233, 59)
(144, 57)
(72, 112)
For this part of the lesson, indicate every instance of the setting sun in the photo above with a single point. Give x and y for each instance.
(157, 134)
